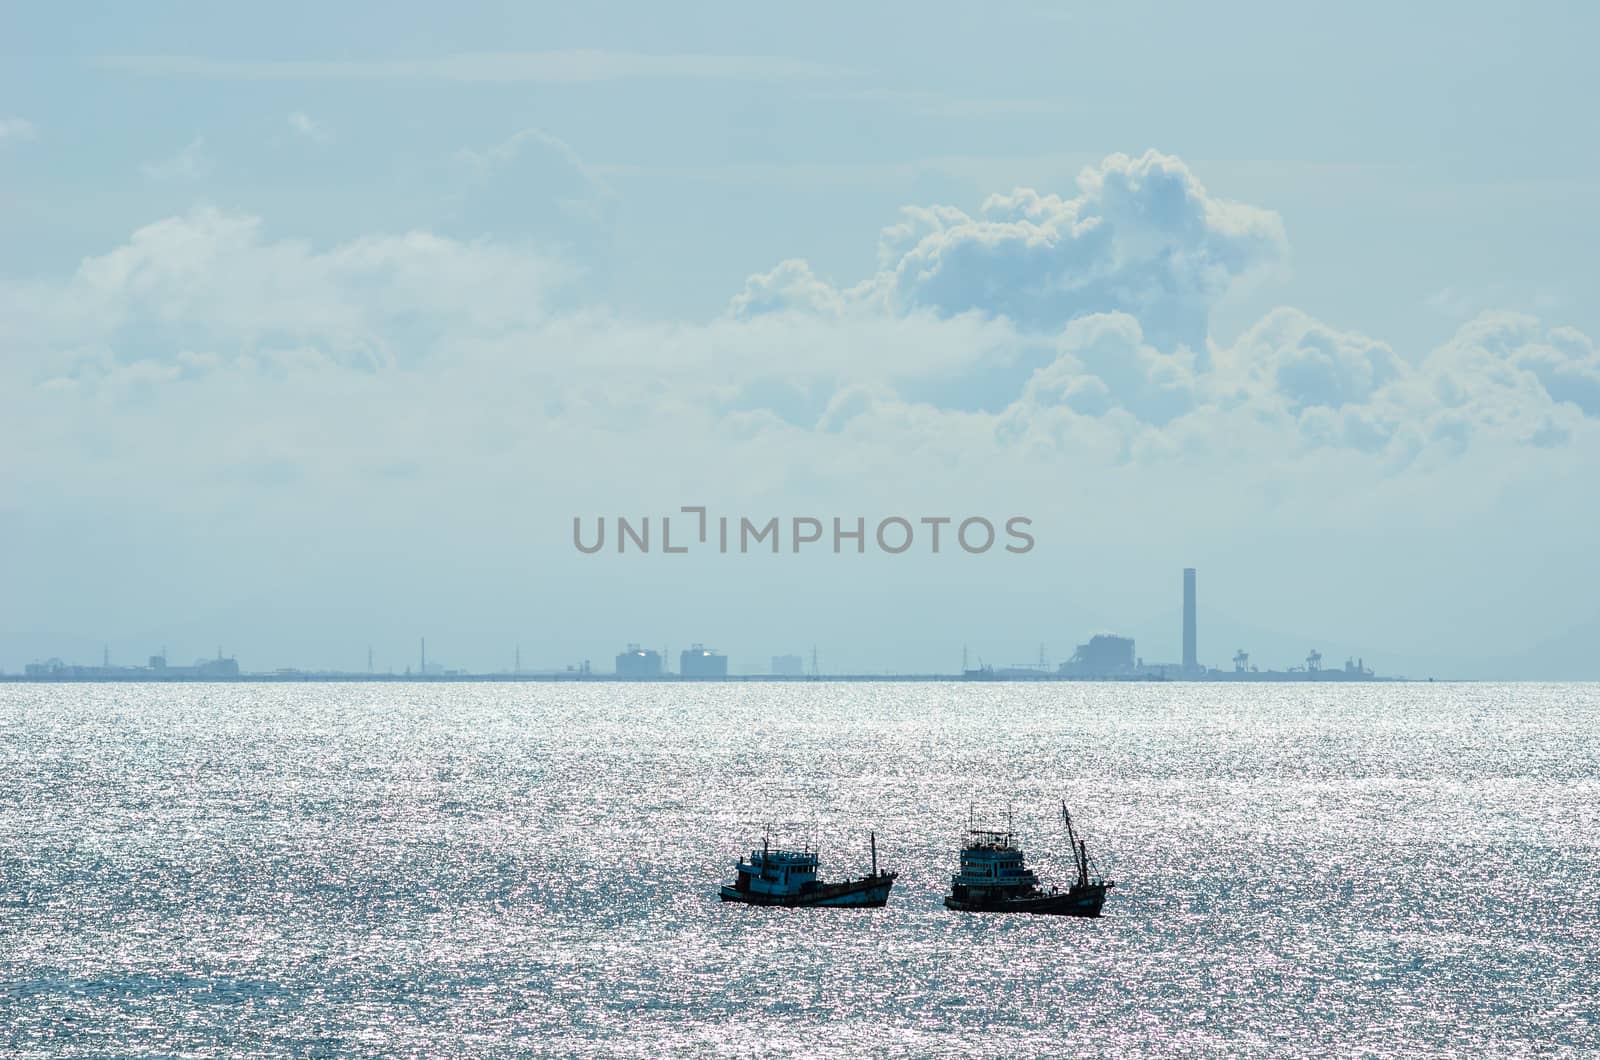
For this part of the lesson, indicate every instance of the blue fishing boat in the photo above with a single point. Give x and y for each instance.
(994, 878)
(793, 878)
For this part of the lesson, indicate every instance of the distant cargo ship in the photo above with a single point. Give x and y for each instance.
(995, 878)
(791, 878)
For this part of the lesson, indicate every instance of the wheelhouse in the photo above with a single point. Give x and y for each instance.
(992, 863)
(779, 872)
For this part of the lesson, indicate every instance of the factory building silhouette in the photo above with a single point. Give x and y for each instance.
(1111, 655)
(1105, 656)
(156, 668)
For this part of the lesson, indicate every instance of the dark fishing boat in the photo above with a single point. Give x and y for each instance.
(791, 878)
(995, 878)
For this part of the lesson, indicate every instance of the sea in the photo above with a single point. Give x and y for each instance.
(476, 869)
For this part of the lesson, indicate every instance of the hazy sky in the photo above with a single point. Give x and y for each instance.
(318, 327)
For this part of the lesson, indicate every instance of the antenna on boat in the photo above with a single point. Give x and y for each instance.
(872, 837)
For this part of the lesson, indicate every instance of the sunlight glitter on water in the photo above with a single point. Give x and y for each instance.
(488, 869)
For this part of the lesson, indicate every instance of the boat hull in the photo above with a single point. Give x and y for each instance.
(1079, 901)
(869, 892)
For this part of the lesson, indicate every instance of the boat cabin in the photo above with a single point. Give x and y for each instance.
(992, 865)
(779, 872)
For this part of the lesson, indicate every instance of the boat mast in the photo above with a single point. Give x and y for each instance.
(872, 837)
(1080, 853)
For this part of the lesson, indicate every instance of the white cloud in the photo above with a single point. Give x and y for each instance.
(791, 285)
(477, 364)
(437, 327)
(1567, 364)
(1308, 363)
(1507, 368)
(1122, 277)
(212, 282)
(1142, 236)
(1105, 364)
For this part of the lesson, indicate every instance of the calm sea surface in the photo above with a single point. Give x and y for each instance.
(465, 870)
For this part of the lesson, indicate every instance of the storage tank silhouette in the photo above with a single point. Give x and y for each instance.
(701, 661)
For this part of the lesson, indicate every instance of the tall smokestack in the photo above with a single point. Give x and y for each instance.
(1191, 662)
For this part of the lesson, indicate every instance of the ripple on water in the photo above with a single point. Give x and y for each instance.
(337, 870)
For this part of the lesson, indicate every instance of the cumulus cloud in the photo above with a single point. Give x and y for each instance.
(1121, 277)
(210, 305)
(214, 281)
(1306, 362)
(1294, 385)
(791, 286)
(1106, 363)
(1142, 236)
(1502, 377)
(1508, 373)
(1567, 365)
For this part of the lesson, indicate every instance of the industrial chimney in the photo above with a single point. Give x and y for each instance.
(1191, 662)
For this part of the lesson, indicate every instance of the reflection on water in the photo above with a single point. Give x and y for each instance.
(343, 870)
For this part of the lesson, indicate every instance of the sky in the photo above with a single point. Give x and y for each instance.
(319, 328)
